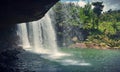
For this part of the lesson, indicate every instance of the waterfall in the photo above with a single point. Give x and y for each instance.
(22, 32)
(38, 35)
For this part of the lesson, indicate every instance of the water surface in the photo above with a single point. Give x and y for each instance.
(98, 61)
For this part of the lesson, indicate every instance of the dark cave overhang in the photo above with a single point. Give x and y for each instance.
(18, 11)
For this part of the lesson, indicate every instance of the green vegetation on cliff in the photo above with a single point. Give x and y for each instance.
(96, 27)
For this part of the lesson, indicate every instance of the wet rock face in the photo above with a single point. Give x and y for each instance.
(17, 11)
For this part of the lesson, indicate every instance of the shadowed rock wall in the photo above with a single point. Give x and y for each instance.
(18, 11)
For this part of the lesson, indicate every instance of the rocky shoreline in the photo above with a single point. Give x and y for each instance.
(93, 45)
(8, 56)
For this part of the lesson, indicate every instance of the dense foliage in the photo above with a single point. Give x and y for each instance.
(93, 25)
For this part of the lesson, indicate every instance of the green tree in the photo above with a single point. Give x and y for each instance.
(98, 8)
(86, 15)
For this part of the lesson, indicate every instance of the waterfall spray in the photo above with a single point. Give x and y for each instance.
(40, 37)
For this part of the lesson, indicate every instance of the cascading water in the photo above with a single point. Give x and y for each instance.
(22, 32)
(37, 36)
(40, 37)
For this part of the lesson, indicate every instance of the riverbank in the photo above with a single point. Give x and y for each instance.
(102, 46)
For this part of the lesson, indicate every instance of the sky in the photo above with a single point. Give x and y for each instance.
(108, 4)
